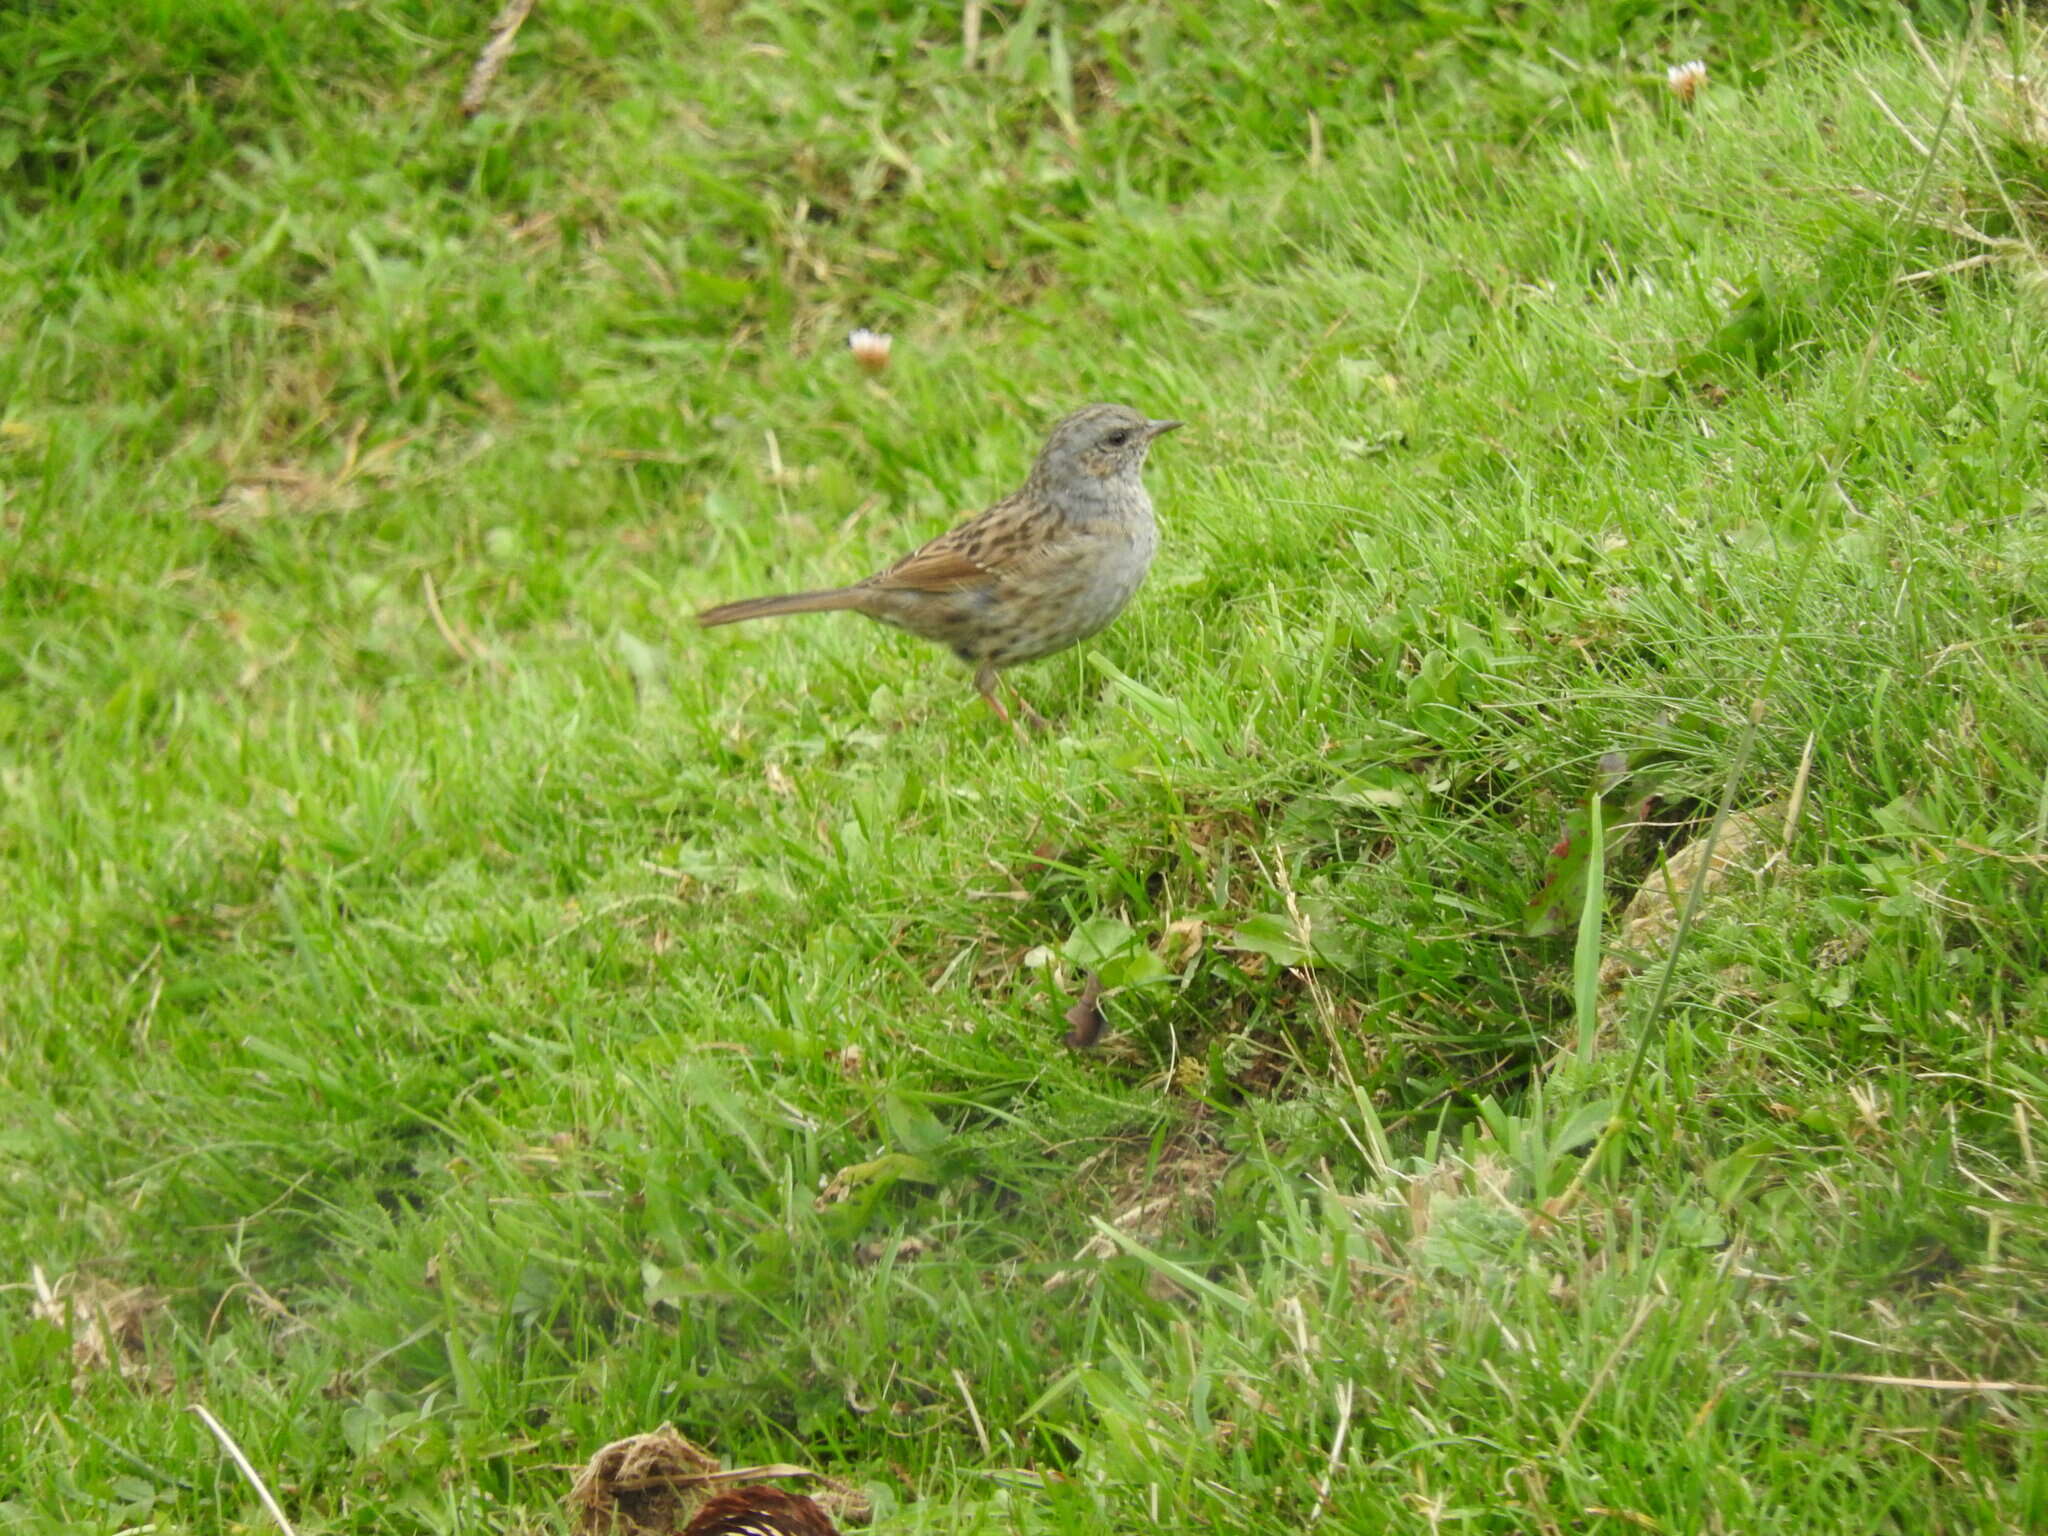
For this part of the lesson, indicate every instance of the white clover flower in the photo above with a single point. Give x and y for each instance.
(870, 349)
(1686, 79)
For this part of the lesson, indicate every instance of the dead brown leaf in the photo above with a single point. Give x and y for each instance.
(1084, 1019)
(643, 1485)
(1747, 841)
(108, 1323)
(1150, 1197)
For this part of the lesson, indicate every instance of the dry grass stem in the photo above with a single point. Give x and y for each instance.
(504, 33)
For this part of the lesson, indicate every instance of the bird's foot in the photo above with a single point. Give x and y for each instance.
(1036, 721)
(985, 683)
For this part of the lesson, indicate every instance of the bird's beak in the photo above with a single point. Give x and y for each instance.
(1161, 428)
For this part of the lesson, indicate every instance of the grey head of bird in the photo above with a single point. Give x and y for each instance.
(1095, 443)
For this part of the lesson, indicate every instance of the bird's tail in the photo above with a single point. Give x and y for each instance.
(776, 606)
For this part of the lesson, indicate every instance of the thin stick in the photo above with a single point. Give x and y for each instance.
(1796, 801)
(973, 1413)
(504, 31)
(1893, 117)
(227, 1443)
(970, 32)
(1982, 260)
(1931, 1383)
(709, 1479)
(1345, 1395)
(441, 620)
(1606, 1370)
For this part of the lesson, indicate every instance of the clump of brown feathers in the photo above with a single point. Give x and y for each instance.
(762, 1511)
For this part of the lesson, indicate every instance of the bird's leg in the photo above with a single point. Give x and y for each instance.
(1038, 721)
(985, 685)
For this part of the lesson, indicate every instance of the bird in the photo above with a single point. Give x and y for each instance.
(759, 1510)
(1044, 568)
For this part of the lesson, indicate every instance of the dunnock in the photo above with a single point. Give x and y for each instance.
(1045, 567)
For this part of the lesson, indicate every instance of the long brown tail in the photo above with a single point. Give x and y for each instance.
(774, 607)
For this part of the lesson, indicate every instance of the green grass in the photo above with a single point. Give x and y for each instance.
(455, 1023)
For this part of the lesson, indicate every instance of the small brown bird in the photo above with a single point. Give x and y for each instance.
(1044, 568)
(759, 1510)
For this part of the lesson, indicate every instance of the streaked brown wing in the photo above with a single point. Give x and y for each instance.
(761, 1511)
(939, 566)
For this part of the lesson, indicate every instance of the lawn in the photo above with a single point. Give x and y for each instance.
(1561, 837)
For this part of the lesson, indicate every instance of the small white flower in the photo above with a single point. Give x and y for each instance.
(1686, 79)
(870, 349)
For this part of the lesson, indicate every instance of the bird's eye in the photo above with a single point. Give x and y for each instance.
(1117, 439)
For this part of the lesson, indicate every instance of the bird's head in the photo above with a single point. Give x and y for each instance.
(1097, 442)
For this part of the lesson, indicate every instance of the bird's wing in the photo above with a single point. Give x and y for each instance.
(940, 566)
(1011, 539)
